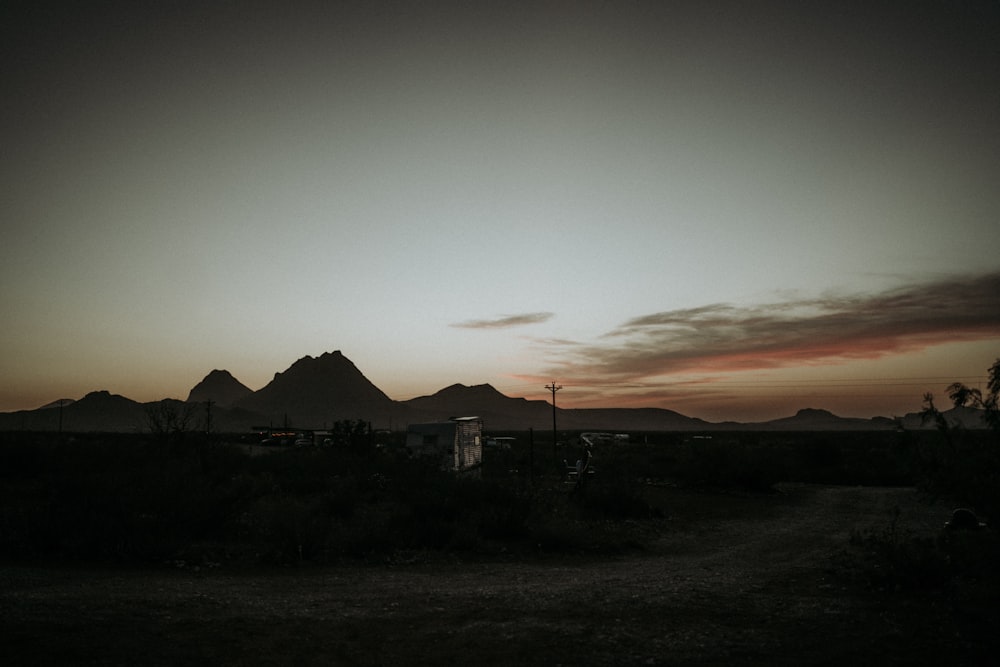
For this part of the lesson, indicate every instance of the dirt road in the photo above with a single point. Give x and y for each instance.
(730, 581)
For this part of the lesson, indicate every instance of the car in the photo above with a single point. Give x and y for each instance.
(964, 519)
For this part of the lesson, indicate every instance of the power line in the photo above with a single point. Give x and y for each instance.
(901, 382)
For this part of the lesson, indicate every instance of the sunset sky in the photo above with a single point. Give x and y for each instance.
(729, 209)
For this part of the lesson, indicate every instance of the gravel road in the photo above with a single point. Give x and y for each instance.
(745, 581)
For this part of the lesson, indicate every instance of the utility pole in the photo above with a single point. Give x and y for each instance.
(208, 416)
(553, 388)
(531, 455)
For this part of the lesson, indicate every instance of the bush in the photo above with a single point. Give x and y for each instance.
(139, 499)
(966, 465)
(962, 465)
(892, 559)
(960, 562)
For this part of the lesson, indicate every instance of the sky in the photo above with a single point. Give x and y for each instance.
(730, 209)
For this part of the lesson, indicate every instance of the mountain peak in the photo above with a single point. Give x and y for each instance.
(319, 389)
(102, 398)
(326, 360)
(477, 390)
(815, 419)
(98, 395)
(815, 413)
(219, 387)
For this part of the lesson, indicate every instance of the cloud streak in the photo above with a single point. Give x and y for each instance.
(722, 337)
(505, 321)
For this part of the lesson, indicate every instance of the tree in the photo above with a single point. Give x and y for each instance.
(961, 395)
(964, 396)
(968, 467)
(170, 417)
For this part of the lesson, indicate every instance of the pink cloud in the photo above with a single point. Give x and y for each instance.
(724, 338)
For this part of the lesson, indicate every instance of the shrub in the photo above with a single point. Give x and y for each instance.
(966, 465)
(139, 499)
(960, 562)
(892, 559)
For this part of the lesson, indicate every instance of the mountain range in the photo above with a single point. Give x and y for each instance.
(315, 392)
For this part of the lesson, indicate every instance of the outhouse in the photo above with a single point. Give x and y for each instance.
(458, 442)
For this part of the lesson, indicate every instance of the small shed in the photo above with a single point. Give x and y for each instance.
(457, 442)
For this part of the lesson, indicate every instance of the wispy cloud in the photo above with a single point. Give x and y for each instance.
(505, 321)
(826, 330)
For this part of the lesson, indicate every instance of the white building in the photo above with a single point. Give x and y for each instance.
(458, 442)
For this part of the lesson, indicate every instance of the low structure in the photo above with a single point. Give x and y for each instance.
(457, 442)
(500, 442)
(603, 438)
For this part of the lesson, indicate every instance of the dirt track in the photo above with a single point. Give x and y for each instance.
(731, 581)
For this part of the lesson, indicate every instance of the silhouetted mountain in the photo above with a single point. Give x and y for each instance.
(59, 402)
(497, 410)
(629, 419)
(319, 391)
(315, 392)
(103, 411)
(500, 412)
(812, 419)
(220, 387)
(97, 411)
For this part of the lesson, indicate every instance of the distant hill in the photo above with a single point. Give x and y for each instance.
(97, 411)
(500, 412)
(102, 410)
(811, 419)
(497, 410)
(629, 419)
(221, 388)
(315, 392)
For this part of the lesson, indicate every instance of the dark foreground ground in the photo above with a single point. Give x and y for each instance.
(730, 580)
